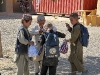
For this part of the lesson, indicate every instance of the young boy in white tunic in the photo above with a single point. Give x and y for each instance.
(36, 31)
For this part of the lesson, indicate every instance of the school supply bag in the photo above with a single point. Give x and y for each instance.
(51, 46)
(32, 51)
(64, 48)
(84, 39)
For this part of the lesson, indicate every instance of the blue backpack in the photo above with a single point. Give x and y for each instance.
(84, 39)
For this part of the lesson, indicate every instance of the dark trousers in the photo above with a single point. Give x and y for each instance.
(52, 70)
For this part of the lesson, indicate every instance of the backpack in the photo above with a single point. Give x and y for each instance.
(64, 48)
(84, 39)
(51, 45)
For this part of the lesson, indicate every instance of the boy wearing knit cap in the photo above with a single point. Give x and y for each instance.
(22, 44)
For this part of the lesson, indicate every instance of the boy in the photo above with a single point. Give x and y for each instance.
(22, 44)
(76, 55)
(36, 31)
(50, 63)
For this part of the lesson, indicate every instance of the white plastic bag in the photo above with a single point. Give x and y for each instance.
(32, 51)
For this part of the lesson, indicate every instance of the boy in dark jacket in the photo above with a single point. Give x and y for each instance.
(50, 63)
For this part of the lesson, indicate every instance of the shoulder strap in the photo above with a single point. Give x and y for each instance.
(47, 36)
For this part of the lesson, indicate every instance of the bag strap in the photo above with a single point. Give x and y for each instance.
(47, 36)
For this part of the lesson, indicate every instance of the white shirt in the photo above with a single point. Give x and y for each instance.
(35, 31)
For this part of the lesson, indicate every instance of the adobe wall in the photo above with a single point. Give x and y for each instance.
(98, 8)
(2, 5)
(9, 6)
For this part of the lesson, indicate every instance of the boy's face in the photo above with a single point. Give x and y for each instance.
(41, 23)
(73, 20)
(27, 24)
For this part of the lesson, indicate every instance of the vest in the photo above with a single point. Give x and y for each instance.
(21, 48)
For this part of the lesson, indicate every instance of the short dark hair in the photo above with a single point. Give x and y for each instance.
(74, 15)
(26, 17)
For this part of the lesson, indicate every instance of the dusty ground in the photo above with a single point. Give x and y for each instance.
(9, 25)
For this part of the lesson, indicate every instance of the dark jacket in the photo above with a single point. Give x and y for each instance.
(52, 61)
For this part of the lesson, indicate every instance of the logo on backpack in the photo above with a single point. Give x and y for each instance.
(51, 45)
(52, 50)
(84, 39)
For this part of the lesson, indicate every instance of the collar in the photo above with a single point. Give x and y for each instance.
(75, 24)
(51, 31)
(24, 27)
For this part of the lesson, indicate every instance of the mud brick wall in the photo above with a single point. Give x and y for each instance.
(9, 6)
(98, 8)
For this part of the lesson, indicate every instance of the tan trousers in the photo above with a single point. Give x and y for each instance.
(38, 61)
(22, 64)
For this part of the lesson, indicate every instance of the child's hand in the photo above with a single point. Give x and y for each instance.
(65, 41)
(40, 31)
(31, 43)
(68, 27)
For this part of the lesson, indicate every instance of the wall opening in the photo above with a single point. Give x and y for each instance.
(16, 7)
(2, 5)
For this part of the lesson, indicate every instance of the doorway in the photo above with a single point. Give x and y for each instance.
(2, 5)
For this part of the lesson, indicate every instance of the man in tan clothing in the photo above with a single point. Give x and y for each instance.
(76, 55)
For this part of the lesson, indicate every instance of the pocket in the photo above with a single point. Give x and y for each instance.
(16, 56)
(21, 49)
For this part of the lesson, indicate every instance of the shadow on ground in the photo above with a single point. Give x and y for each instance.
(11, 16)
(19, 15)
(93, 65)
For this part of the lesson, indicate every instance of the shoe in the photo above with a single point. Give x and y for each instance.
(72, 73)
(36, 74)
(85, 72)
